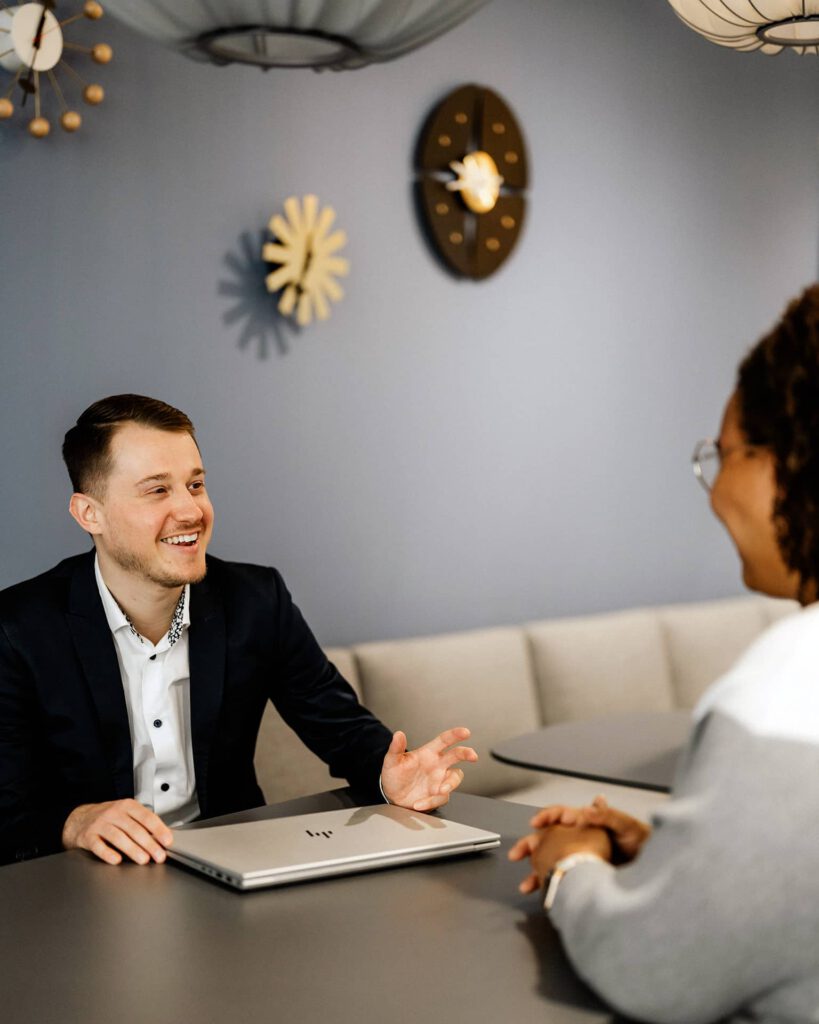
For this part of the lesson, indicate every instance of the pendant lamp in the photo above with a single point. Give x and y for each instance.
(767, 25)
(335, 34)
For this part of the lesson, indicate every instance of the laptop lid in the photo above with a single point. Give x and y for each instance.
(278, 851)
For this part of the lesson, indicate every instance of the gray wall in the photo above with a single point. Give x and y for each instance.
(440, 454)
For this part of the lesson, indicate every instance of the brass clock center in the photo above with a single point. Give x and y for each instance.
(478, 181)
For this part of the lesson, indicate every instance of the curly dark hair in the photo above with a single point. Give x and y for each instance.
(778, 391)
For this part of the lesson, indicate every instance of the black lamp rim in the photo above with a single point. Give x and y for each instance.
(208, 43)
(764, 31)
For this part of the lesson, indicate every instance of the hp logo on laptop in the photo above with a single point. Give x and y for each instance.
(318, 835)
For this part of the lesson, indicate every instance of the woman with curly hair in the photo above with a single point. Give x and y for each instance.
(713, 913)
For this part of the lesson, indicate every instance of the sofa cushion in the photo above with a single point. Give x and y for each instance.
(600, 665)
(706, 638)
(481, 679)
(285, 768)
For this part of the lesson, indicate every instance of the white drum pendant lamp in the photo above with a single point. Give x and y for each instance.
(335, 34)
(767, 25)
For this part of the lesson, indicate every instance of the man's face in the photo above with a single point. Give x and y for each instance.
(155, 516)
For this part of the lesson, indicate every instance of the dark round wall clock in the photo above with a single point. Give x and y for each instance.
(472, 172)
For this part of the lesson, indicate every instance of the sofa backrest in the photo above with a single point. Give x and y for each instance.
(510, 680)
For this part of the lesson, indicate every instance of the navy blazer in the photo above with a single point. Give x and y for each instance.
(64, 733)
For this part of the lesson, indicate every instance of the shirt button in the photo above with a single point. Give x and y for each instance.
(165, 787)
(152, 657)
(157, 722)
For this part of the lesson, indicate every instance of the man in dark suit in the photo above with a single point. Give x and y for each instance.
(133, 678)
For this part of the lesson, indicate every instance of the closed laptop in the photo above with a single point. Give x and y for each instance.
(278, 851)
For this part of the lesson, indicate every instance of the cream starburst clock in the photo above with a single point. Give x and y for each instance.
(33, 49)
(307, 253)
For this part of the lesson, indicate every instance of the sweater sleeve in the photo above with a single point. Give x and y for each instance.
(685, 933)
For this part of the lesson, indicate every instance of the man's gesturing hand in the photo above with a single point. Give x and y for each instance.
(422, 779)
(115, 828)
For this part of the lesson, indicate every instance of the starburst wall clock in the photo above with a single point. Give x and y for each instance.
(307, 253)
(33, 50)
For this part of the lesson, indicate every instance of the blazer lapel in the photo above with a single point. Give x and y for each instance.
(95, 649)
(207, 673)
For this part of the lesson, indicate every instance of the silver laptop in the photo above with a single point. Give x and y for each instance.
(282, 850)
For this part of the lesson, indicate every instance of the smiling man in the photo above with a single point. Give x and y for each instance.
(133, 678)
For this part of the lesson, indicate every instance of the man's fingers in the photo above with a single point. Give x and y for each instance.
(448, 737)
(103, 851)
(429, 803)
(398, 745)
(453, 778)
(119, 830)
(120, 840)
(457, 754)
(150, 821)
(142, 837)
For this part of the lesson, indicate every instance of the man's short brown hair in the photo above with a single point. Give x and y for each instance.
(87, 445)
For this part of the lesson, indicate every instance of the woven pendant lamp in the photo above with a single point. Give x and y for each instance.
(767, 25)
(335, 34)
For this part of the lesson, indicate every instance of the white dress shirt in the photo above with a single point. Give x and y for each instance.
(156, 683)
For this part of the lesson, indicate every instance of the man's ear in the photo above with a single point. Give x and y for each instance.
(87, 511)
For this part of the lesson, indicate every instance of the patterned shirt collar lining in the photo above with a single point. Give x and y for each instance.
(117, 619)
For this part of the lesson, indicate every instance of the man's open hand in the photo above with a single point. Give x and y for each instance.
(117, 828)
(422, 779)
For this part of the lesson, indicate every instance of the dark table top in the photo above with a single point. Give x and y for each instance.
(451, 940)
(639, 749)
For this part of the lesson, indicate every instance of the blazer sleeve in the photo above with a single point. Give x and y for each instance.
(31, 821)
(320, 705)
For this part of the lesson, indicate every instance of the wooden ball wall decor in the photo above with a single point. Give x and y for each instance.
(472, 171)
(33, 50)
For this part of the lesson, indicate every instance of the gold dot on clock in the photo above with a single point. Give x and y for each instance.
(441, 208)
(71, 121)
(102, 53)
(499, 128)
(93, 94)
(444, 140)
(511, 157)
(456, 238)
(507, 222)
(461, 118)
(492, 244)
(39, 127)
(6, 108)
(92, 10)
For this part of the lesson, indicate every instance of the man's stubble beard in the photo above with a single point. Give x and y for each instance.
(136, 565)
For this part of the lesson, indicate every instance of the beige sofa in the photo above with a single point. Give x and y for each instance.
(510, 680)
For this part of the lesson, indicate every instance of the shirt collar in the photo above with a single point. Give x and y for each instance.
(116, 617)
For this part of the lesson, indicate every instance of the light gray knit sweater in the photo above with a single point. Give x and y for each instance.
(719, 915)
